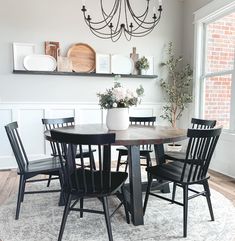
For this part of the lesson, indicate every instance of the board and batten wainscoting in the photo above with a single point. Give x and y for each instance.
(29, 115)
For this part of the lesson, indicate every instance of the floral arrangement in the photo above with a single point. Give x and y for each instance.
(120, 97)
(142, 63)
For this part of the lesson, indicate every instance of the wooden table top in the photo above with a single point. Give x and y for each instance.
(134, 135)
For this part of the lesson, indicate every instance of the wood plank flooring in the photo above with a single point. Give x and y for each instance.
(221, 183)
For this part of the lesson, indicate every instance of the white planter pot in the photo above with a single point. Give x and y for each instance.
(117, 119)
(174, 147)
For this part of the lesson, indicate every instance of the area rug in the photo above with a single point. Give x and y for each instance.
(40, 219)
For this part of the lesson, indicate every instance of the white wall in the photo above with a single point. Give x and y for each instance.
(26, 98)
(58, 20)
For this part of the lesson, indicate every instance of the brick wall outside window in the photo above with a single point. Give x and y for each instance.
(220, 52)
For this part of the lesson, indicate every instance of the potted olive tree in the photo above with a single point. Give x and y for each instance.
(176, 87)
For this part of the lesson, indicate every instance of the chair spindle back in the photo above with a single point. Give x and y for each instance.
(17, 146)
(85, 180)
(57, 123)
(201, 146)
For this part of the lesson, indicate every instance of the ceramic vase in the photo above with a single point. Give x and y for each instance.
(117, 119)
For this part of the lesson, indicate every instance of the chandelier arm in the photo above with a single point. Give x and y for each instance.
(112, 13)
(137, 18)
(127, 33)
(127, 24)
(143, 33)
(120, 34)
(132, 12)
(143, 24)
(103, 35)
(90, 26)
(105, 20)
(119, 15)
(139, 24)
(102, 8)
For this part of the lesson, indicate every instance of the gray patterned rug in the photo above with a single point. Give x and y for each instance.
(40, 219)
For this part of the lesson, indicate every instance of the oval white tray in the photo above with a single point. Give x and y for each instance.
(39, 62)
(121, 64)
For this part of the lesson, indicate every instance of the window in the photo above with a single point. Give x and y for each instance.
(215, 68)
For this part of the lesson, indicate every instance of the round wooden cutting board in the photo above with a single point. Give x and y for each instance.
(82, 57)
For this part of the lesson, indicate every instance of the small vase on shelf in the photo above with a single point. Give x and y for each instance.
(143, 71)
(117, 119)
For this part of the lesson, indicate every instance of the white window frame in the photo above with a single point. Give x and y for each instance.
(209, 13)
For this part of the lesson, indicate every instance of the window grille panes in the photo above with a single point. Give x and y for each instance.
(220, 47)
(217, 99)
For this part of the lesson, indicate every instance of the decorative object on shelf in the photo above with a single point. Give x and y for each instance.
(82, 57)
(176, 87)
(117, 100)
(64, 64)
(39, 62)
(142, 65)
(121, 64)
(134, 56)
(53, 49)
(132, 24)
(103, 63)
(20, 50)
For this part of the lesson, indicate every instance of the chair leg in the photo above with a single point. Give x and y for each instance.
(92, 160)
(65, 215)
(149, 163)
(20, 196)
(150, 179)
(173, 191)
(208, 194)
(125, 205)
(148, 158)
(107, 217)
(127, 163)
(185, 212)
(23, 190)
(81, 207)
(119, 161)
(49, 180)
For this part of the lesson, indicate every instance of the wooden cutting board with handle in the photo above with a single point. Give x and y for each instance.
(52, 49)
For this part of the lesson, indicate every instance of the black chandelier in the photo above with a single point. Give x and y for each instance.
(132, 25)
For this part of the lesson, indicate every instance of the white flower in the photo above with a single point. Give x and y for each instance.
(119, 93)
(114, 105)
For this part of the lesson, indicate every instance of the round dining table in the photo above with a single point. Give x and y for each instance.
(133, 138)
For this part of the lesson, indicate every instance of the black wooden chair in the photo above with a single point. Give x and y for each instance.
(27, 169)
(63, 122)
(85, 182)
(145, 150)
(192, 170)
(196, 124)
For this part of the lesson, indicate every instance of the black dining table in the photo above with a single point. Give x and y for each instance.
(133, 138)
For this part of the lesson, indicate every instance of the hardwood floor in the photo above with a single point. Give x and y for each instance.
(221, 183)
